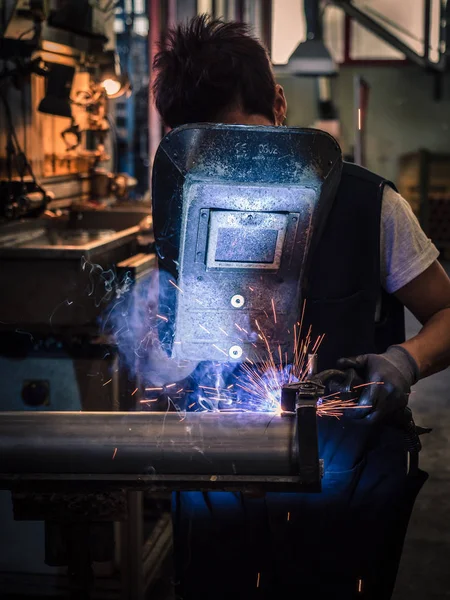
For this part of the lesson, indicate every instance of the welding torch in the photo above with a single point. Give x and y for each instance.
(347, 384)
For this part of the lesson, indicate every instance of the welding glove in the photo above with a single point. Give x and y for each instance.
(392, 374)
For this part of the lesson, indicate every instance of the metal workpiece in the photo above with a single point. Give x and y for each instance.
(298, 393)
(191, 451)
(312, 364)
(307, 440)
(300, 398)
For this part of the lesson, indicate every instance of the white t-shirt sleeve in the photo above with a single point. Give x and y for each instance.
(405, 251)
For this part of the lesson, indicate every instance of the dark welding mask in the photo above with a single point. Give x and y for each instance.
(238, 211)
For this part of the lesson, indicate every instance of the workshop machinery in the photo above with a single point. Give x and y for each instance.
(62, 246)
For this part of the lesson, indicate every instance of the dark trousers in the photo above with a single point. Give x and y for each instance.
(342, 543)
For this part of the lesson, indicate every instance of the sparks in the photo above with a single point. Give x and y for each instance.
(258, 580)
(204, 329)
(106, 382)
(175, 286)
(163, 318)
(274, 311)
(133, 393)
(219, 349)
(259, 381)
(370, 383)
(335, 408)
(114, 454)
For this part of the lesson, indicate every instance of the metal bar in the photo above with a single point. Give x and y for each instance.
(361, 92)
(443, 48)
(79, 568)
(266, 7)
(444, 37)
(157, 548)
(308, 452)
(424, 179)
(357, 116)
(426, 29)
(132, 548)
(154, 120)
(371, 25)
(171, 14)
(240, 10)
(112, 446)
(314, 28)
(130, 105)
(347, 38)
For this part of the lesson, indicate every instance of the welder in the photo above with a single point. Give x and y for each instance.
(373, 260)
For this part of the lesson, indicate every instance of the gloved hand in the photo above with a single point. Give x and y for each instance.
(393, 374)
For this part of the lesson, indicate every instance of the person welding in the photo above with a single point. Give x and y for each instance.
(373, 260)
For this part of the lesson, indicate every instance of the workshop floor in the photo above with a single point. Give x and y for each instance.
(424, 571)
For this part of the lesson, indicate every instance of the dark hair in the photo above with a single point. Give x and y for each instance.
(208, 67)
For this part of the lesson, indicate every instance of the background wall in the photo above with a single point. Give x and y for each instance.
(402, 116)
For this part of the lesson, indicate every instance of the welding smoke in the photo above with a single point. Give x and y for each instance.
(140, 315)
(140, 319)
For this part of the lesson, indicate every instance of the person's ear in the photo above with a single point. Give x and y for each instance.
(279, 106)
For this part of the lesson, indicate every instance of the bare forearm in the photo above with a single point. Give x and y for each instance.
(431, 346)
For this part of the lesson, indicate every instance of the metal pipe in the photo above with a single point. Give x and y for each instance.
(154, 120)
(132, 543)
(171, 14)
(444, 35)
(373, 26)
(111, 446)
(361, 96)
(426, 29)
(313, 18)
(266, 8)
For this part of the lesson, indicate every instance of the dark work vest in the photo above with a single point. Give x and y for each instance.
(343, 289)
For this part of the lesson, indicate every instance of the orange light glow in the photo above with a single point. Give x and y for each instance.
(111, 86)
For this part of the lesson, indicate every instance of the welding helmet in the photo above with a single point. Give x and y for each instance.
(237, 212)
